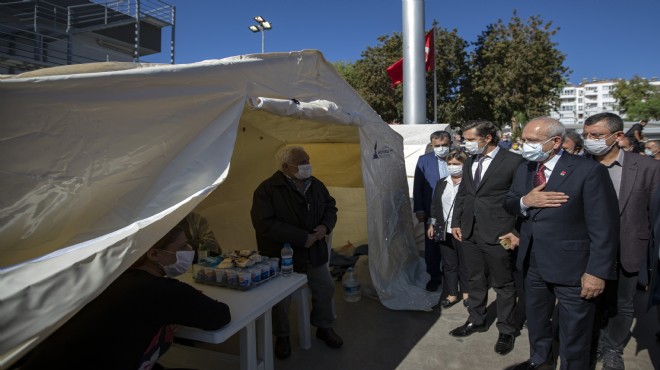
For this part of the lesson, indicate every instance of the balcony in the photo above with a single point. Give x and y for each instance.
(36, 34)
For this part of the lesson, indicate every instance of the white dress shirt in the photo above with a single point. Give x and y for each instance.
(549, 166)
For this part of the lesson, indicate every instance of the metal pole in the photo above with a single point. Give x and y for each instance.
(173, 35)
(414, 90)
(262, 39)
(435, 80)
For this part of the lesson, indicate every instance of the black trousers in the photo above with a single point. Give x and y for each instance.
(575, 316)
(490, 263)
(454, 268)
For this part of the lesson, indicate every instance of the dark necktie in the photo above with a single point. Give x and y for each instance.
(477, 173)
(539, 176)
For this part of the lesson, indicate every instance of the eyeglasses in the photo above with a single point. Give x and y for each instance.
(537, 141)
(597, 136)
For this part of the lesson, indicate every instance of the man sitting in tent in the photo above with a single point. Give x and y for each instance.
(293, 207)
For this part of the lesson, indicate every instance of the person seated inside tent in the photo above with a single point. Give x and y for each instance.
(131, 323)
(199, 235)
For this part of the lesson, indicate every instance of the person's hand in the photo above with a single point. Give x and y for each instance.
(421, 216)
(515, 241)
(311, 239)
(456, 232)
(592, 286)
(430, 232)
(320, 232)
(537, 198)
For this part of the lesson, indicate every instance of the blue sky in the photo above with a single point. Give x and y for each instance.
(601, 39)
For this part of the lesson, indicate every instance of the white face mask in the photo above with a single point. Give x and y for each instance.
(534, 152)
(455, 169)
(304, 171)
(441, 151)
(183, 263)
(649, 152)
(598, 147)
(472, 147)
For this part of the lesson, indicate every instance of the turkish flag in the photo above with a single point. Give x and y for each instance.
(395, 71)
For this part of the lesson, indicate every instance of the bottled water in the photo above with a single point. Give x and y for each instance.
(202, 251)
(352, 290)
(287, 260)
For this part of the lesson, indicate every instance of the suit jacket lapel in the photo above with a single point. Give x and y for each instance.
(492, 167)
(628, 174)
(468, 166)
(561, 171)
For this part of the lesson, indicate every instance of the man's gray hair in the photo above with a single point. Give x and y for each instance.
(552, 127)
(284, 155)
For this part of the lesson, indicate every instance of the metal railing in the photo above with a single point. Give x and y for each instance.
(38, 33)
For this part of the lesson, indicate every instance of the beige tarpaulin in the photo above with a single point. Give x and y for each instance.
(98, 161)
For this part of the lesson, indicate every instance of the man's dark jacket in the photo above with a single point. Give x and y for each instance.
(281, 214)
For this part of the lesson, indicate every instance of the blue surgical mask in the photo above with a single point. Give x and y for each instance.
(304, 172)
(472, 147)
(183, 263)
(534, 152)
(441, 151)
(455, 169)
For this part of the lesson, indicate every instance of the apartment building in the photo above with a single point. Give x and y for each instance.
(577, 102)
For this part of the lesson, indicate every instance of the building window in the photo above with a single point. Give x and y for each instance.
(580, 100)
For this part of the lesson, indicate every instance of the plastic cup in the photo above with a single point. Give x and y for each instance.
(232, 277)
(221, 276)
(265, 270)
(244, 279)
(274, 265)
(255, 272)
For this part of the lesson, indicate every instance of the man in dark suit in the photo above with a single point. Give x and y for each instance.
(635, 178)
(480, 222)
(568, 242)
(431, 167)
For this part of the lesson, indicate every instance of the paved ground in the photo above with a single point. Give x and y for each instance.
(382, 339)
(379, 338)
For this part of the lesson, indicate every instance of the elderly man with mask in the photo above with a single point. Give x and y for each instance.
(294, 207)
(568, 242)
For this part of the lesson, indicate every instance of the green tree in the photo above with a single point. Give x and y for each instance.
(515, 69)
(369, 78)
(637, 98)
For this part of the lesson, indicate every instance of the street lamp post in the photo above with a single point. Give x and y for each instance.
(262, 25)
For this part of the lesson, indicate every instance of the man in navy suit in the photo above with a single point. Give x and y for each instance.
(569, 238)
(480, 222)
(431, 167)
(635, 178)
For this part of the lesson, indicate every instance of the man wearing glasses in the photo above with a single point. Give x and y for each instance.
(635, 178)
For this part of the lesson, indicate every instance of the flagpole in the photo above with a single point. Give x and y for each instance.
(435, 80)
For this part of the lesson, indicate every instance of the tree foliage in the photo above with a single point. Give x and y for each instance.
(515, 68)
(638, 99)
(369, 78)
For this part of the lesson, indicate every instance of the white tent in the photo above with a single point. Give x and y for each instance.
(98, 161)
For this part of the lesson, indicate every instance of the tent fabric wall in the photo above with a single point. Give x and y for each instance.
(98, 161)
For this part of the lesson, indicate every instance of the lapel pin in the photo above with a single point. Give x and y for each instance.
(562, 173)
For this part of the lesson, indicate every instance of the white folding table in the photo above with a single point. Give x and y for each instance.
(251, 315)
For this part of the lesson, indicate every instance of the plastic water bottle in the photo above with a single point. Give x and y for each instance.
(352, 290)
(202, 251)
(287, 260)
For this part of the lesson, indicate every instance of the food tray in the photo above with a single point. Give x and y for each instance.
(221, 277)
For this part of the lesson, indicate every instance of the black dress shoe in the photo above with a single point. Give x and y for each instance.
(529, 365)
(446, 303)
(504, 343)
(465, 303)
(467, 329)
(329, 337)
(432, 286)
(282, 348)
